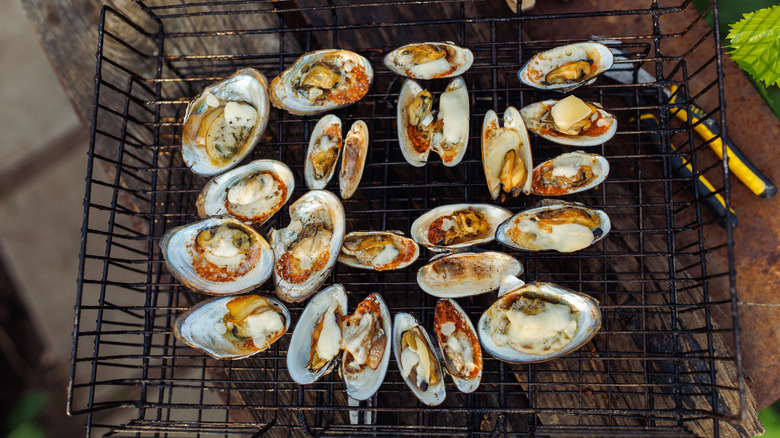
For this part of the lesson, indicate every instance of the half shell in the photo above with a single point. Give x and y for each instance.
(367, 345)
(323, 152)
(569, 173)
(251, 193)
(567, 67)
(307, 249)
(601, 125)
(554, 225)
(421, 372)
(458, 226)
(458, 345)
(378, 250)
(429, 60)
(506, 154)
(233, 327)
(321, 81)
(537, 322)
(224, 122)
(353, 160)
(467, 273)
(219, 255)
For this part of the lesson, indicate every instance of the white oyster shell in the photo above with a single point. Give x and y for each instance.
(415, 60)
(403, 252)
(603, 128)
(240, 274)
(353, 159)
(435, 394)
(534, 72)
(246, 86)
(362, 384)
(454, 329)
(466, 274)
(251, 201)
(325, 140)
(497, 142)
(561, 175)
(494, 216)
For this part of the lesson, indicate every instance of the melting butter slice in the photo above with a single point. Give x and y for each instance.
(569, 111)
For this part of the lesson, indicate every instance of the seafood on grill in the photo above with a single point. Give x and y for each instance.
(417, 360)
(233, 327)
(422, 130)
(570, 121)
(219, 255)
(224, 122)
(251, 193)
(353, 159)
(569, 173)
(366, 342)
(378, 250)
(466, 274)
(458, 345)
(506, 154)
(323, 153)
(554, 225)
(536, 322)
(306, 250)
(321, 81)
(458, 226)
(566, 67)
(429, 60)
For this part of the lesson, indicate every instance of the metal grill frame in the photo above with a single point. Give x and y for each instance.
(147, 190)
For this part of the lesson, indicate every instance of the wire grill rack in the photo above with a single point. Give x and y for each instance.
(666, 360)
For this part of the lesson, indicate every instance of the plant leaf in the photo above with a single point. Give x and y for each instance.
(755, 44)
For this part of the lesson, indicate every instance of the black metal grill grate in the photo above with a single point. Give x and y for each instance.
(659, 366)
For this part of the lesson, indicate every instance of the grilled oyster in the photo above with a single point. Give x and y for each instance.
(570, 121)
(466, 273)
(506, 154)
(366, 343)
(567, 67)
(458, 345)
(378, 250)
(554, 225)
(306, 250)
(569, 173)
(233, 327)
(219, 255)
(429, 60)
(323, 153)
(251, 193)
(419, 132)
(417, 360)
(537, 322)
(458, 226)
(224, 122)
(321, 81)
(353, 159)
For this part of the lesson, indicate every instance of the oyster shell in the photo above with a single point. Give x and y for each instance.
(465, 274)
(219, 255)
(353, 159)
(567, 67)
(569, 173)
(419, 132)
(458, 345)
(321, 81)
(554, 225)
(251, 193)
(233, 327)
(306, 250)
(506, 154)
(378, 250)
(316, 339)
(417, 360)
(537, 322)
(458, 226)
(429, 60)
(586, 125)
(224, 122)
(323, 153)
(366, 342)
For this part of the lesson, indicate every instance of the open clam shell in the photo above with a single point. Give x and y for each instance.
(322, 81)
(362, 381)
(433, 393)
(218, 256)
(537, 322)
(566, 67)
(353, 159)
(225, 122)
(429, 60)
(323, 152)
(305, 251)
(443, 229)
(538, 120)
(466, 274)
(302, 342)
(458, 345)
(209, 326)
(251, 193)
(554, 225)
(378, 250)
(569, 173)
(506, 154)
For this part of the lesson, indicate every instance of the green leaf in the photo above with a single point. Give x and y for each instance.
(27, 430)
(755, 44)
(26, 408)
